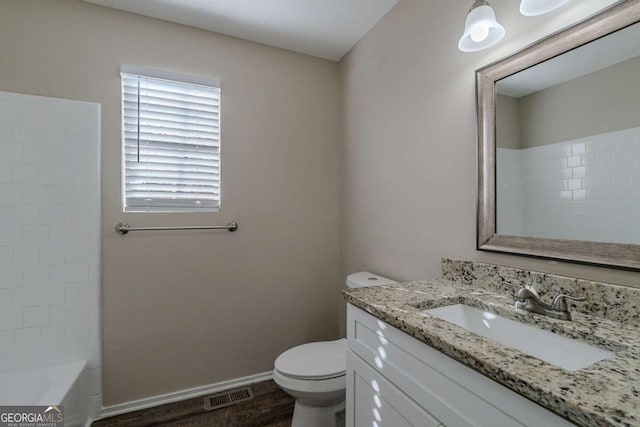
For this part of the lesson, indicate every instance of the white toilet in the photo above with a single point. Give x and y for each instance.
(314, 373)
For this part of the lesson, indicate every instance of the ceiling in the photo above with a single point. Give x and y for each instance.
(323, 28)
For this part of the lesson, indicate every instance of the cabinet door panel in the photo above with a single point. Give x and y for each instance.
(377, 403)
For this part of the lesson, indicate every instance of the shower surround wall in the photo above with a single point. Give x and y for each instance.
(49, 235)
(590, 187)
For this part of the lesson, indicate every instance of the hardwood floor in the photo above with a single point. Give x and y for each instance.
(271, 407)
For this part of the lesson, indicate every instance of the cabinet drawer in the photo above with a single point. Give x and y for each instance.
(377, 402)
(455, 394)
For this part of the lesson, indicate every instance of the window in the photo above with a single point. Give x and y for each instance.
(171, 145)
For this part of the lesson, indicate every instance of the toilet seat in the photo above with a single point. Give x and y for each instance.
(329, 385)
(314, 361)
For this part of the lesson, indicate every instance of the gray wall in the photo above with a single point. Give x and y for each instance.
(183, 309)
(508, 132)
(409, 140)
(600, 102)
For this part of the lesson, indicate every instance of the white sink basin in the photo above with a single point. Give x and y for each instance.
(564, 352)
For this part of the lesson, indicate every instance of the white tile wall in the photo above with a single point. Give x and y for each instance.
(49, 234)
(587, 189)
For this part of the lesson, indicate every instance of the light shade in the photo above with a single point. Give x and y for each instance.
(540, 7)
(481, 29)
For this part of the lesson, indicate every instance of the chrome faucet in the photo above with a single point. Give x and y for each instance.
(528, 299)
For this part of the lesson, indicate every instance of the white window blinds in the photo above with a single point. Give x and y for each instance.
(171, 145)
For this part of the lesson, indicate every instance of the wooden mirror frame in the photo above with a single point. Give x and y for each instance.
(626, 256)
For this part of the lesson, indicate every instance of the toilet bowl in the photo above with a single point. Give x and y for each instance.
(314, 374)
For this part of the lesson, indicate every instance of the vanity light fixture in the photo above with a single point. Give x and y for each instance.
(481, 29)
(540, 7)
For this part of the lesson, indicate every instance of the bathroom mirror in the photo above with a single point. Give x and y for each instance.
(559, 145)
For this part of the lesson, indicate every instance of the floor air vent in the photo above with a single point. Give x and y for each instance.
(227, 398)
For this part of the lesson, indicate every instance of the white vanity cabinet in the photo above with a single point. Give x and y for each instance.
(394, 380)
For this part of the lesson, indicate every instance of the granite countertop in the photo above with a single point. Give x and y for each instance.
(606, 393)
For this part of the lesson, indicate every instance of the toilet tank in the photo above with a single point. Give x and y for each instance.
(364, 278)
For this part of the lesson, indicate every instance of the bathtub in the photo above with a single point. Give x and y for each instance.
(64, 384)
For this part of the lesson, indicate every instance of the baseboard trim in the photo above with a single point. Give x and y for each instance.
(149, 402)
